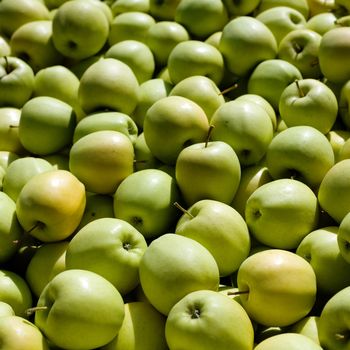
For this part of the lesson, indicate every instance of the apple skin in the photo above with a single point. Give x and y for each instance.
(309, 102)
(190, 13)
(343, 238)
(145, 199)
(171, 124)
(246, 127)
(307, 326)
(6, 309)
(18, 333)
(17, 82)
(46, 125)
(162, 37)
(10, 229)
(334, 53)
(80, 29)
(47, 262)
(201, 90)
(51, 204)
(143, 327)
(9, 121)
(207, 319)
(173, 266)
(66, 321)
(300, 5)
(137, 55)
(108, 84)
(101, 160)
(243, 8)
(333, 193)
(320, 248)
(5, 49)
(337, 139)
(271, 77)
(195, 57)
(288, 341)
(121, 6)
(208, 170)
(300, 47)
(209, 222)
(16, 292)
(281, 287)
(302, 153)
(116, 121)
(246, 34)
(281, 213)
(320, 6)
(13, 14)
(344, 104)
(333, 325)
(322, 22)
(164, 10)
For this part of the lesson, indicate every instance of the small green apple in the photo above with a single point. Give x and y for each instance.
(307, 326)
(300, 5)
(120, 6)
(241, 8)
(163, 10)
(337, 139)
(322, 22)
(6, 309)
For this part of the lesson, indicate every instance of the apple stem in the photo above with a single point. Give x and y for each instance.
(238, 292)
(13, 126)
(31, 310)
(225, 91)
(211, 128)
(301, 92)
(177, 205)
(37, 224)
(7, 65)
(140, 161)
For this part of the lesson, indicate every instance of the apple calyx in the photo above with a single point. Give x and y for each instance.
(34, 309)
(177, 205)
(301, 92)
(195, 313)
(127, 246)
(211, 128)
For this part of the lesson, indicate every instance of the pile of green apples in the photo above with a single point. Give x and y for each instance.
(174, 175)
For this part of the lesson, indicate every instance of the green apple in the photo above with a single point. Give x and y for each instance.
(13, 14)
(307, 326)
(246, 127)
(219, 228)
(300, 5)
(214, 39)
(261, 101)
(150, 91)
(206, 319)
(101, 160)
(15, 291)
(162, 37)
(190, 14)
(143, 326)
(10, 229)
(47, 262)
(171, 124)
(334, 191)
(344, 104)
(163, 10)
(33, 43)
(108, 84)
(54, 4)
(243, 35)
(333, 327)
(18, 333)
(144, 159)
(116, 121)
(334, 54)
(51, 204)
(63, 317)
(17, 82)
(208, 170)
(309, 102)
(6, 309)
(337, 139)
(279, 285)
(300, 47)
(344, 152)
(145, 199)
(137, 55)
(241, 8)
(195, 57)
(271, 77)
(320, 6)
(173, 266)
(131, 25)
(9, 121)
(46, 125)
(322, 22)
(343, 238)
(6, 157)
(60, 82)
(110, 247)
(80, 29)
(281, 213)
(320, 248)
(58, 160)
(302, 153)
(20, 171)
(120, 6)
(5, 49)
(252, 177)
(288, 341)
(202, 90)
(281, 20)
